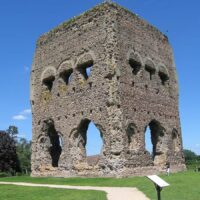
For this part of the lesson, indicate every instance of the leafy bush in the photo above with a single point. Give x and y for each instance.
(3, 174)
(193, 164)
(189, 155)
(19, 174)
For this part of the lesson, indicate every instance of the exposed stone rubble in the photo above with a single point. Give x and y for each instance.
(132, 85)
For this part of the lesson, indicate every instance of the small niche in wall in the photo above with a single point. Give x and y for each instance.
(131, 136)
(90, 84)
(175, 140)
(157, 91)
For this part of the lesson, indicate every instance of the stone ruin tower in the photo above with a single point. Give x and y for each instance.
(132, 85)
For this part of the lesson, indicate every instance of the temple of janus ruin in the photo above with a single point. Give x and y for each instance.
(132, 85)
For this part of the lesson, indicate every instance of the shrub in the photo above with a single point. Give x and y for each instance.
(3, 174)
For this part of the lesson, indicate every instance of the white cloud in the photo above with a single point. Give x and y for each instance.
(197, 145)
(19, 117)
(22, 115)
(26, 112)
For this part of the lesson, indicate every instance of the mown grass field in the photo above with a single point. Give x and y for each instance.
(12, 192)
(183, 186)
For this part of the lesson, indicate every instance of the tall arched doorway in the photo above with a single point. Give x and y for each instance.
(90, 141)
(54, 144)
(154, 134)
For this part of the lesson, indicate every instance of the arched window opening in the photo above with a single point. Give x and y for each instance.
(156, 132)
(163, 74)
(94, 140)
(151, 70)
(163, 77)
(85, 69)
(90, 141)
(66, 76)
(48, 77)
(135, 62)
(55, 148)
(48, 82)
(135, 65)
(148, 142)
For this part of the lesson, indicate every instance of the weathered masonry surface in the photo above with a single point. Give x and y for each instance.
(132, 85)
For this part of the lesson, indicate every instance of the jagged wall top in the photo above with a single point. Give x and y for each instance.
(97, 9)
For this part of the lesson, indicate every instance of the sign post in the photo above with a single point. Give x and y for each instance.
(159, 184)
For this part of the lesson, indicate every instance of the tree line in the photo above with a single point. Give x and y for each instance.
(190, 155)
(192, 160)
(15, 152)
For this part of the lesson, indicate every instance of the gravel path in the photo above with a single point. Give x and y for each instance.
(113, 193)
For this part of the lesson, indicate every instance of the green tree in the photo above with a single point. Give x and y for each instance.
(12, 131)
(24, 155)
(189, 155)
(8, 156)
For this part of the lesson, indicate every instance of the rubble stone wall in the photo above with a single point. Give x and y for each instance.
(112, 68)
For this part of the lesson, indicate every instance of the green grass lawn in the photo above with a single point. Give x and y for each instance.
(12, 192)
(183, 186)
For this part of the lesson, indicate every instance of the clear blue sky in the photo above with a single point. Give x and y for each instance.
(23, 21)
